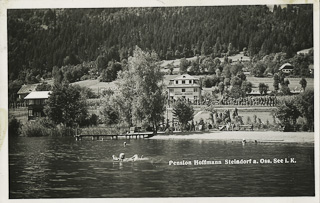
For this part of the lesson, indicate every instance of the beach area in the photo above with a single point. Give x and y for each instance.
(249, 136)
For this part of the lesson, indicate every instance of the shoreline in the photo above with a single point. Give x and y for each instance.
(249, 136)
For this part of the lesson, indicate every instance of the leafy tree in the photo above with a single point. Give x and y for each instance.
(57, 75)
(236, 92)
(66, 106)
(221, 87)
(101, 63)
(303, 83)
(227, 82)
(183, 111)
(236, 81)
(263, 88)
(305, 104)
(287, 113)
(259, 69)
(141, 92)
(246, 86)
(227, 71)
(110, 113)
(184, 64)
(44, 87)
(285, 90)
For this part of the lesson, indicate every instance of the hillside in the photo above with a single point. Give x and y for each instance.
(39, 39)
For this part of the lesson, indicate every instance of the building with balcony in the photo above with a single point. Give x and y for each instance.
(35, 102)
(286, 68)
(185, 87)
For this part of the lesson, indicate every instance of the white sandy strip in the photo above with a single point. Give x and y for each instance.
(260, 136)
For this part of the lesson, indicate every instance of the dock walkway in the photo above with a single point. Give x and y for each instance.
(135, 135)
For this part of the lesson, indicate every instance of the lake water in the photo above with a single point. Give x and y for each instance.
(64, 168)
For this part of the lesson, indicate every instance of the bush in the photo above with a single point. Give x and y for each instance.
(43, 127)
(34, 129)
(14, 126)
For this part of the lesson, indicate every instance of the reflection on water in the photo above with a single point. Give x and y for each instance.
(62, 167)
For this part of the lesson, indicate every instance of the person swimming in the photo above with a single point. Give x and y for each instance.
(120, 158)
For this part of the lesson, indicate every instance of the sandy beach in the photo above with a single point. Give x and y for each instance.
(249, 136)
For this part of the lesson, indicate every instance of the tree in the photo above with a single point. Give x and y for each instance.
(285, 90)
(141, 91)
(43, 87)
(57, 75)
(303, 83)
(259, 69)
(101, 63)
(227, 71)
(276, 81)
(236, 81)
(263, 88)
(221, 87)
(305, 104)
(246, 86)
(236, 92)
(183, 111)
(287, 113)
(183, 65)
(110, 113)
(66, 106)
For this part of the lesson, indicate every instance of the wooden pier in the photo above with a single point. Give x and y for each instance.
(136, 135)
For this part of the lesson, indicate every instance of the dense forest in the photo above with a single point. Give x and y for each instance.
(40, 39)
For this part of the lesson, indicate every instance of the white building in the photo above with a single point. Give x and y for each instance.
(286, 68)
(184, 87)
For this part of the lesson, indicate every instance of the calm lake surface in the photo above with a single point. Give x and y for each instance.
(48, 167)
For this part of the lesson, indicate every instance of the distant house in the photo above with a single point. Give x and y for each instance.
(35, 103)
(26, 89)
(304, 51)
(286, 68)
(311, 69)
(185, 87)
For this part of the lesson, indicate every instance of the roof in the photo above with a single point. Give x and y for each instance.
(38, 95)
(186, 77)
(304, 51)
(286, 66)
(26, 89)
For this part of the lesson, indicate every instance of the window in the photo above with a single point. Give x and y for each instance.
(183, 82)
(195, 97)
(37, 102)
(31, 102)
(183, 90)
(176, 81)
(195, 89)
(30, 113)
(171, 90)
